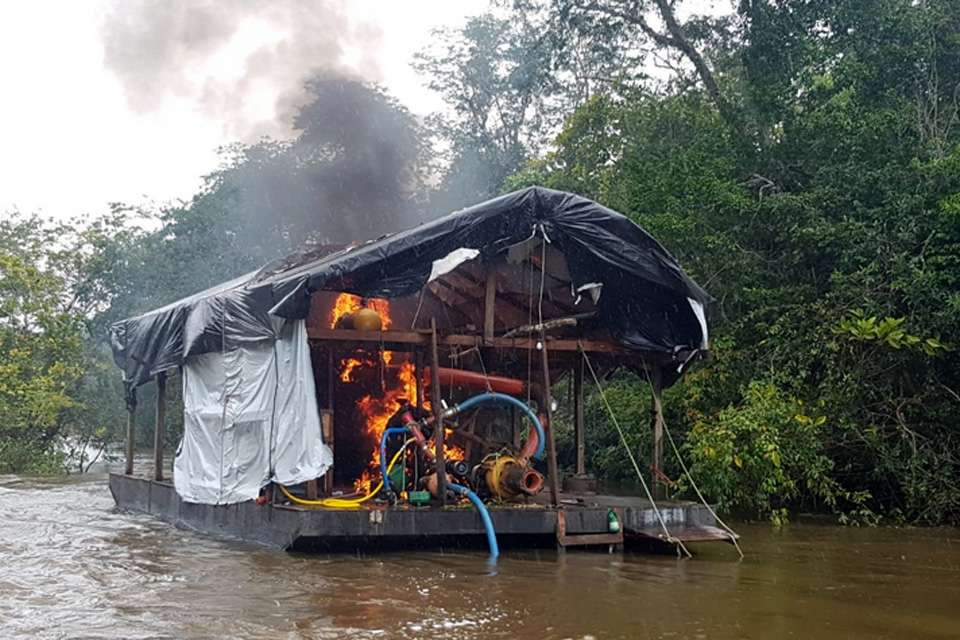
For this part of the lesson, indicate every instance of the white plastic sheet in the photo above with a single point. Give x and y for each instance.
(250, 416)
(699, 311)
(446, 264)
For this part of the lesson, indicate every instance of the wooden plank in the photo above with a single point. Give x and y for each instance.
(521, 308)
(438, 433)
(351, 335)
(552, 466)
(161, 417)
(326, 420)
(578, 418)
(508, 314)
(326, 428)
(489, 300)
(131, 432)
(587, 539)
(656, 388)
(463, 281)
(418, 372)
(400, 338)
(451, 298)
(471, 439)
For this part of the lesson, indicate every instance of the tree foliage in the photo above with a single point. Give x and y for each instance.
(801, 158)
(50, 278)
(824, 218)
(508, 81)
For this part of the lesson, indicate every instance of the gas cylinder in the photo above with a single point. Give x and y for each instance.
(367, 320)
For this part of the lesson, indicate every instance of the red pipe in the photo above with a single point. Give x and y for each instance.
(475, 380)
(421, 441)
(472, 380)
(531, 482)
(533, 440)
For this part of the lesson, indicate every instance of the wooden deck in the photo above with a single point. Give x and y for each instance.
(580, 520)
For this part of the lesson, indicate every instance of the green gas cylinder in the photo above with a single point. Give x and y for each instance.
(613, 521)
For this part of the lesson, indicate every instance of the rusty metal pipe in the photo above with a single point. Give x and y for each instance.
(471, 380)
(421, 439)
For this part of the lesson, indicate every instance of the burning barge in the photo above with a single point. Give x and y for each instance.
(400, 392)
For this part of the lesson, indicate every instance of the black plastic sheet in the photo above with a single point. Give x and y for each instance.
(644, 301)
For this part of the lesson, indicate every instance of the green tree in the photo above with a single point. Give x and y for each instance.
(843, 199)
(507, 79)
(41, 342)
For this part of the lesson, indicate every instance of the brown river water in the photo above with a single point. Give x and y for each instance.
(72, 567)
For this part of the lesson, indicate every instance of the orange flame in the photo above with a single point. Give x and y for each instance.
(347, 303)
(348, 366)
(364, 483)
(377, 410)
(450, 452)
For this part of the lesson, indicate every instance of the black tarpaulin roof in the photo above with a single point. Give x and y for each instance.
(644, 296)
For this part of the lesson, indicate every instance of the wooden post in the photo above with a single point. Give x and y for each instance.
(326, 428)
(131, 431)
(489, 301)
(656, 388)
(418, 365)
(161, 418)
(438, 434)
(578, 418)
(331, 377)
(327, 425)
(548, 411)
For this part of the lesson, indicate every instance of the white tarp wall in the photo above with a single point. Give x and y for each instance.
(250, 416)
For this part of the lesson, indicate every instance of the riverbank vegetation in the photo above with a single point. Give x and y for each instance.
(801, 159)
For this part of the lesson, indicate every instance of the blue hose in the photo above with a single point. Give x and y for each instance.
(484, 515)
(383, 452)
(493, 397)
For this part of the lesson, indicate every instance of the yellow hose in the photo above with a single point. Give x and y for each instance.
(341, 503)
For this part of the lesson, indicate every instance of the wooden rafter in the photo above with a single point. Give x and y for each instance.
(465, 283)
(557, 346)
(553, 309)
(446, 305)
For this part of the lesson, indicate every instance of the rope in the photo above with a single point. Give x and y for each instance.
(543, 274)
(633, 460)
(416, 316)
(529, 322)
(486, 376)
(733, 534)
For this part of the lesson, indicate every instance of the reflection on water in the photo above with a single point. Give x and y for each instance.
(72, 568)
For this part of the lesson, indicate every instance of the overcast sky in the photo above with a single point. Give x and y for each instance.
(127, 100)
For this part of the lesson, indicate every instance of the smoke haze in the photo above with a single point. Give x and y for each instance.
(179, 49)
(331, 159)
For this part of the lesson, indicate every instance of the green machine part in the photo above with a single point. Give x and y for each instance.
(399, 477)
(418, 497)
